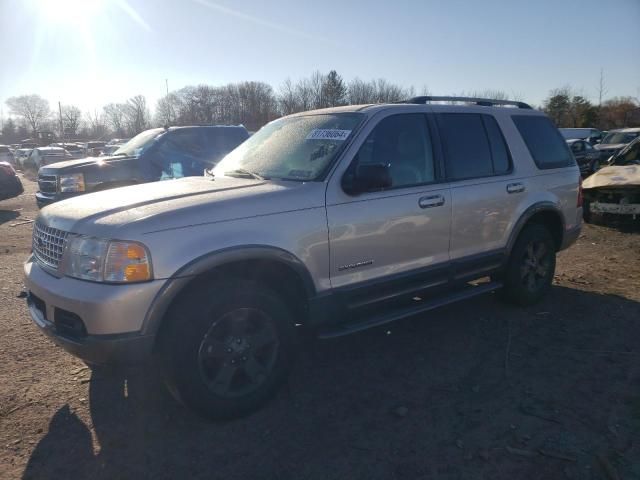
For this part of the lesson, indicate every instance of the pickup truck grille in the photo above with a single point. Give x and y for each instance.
(47, 183)
(48, 245)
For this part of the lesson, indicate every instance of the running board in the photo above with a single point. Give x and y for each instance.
(424, 306)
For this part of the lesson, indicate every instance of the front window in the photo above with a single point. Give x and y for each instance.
(138, 144)
(620, 137)
(294, 148)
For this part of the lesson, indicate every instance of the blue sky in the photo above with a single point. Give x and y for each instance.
(90, 52)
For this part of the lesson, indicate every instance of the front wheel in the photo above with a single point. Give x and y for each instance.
(227, 347)
(531, 266)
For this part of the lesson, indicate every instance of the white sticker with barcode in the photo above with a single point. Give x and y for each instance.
(328, 134)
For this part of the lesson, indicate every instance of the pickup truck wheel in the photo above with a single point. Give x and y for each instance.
(531, 266)
(227, 347)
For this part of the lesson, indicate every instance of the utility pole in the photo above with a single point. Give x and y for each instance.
(166, 82)
(61, 125)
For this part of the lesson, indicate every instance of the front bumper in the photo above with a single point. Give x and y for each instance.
(615, 208)
(109, 317)
(125, 349)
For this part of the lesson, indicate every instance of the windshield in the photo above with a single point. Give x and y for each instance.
(139, 143)
(628, 155)
(295, 148)
(620, 137)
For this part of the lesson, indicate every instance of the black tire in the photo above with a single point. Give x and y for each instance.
(531, 266)
(213, 351)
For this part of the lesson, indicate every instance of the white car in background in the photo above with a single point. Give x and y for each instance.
(42, 156)
(21, 155)
(74, 149)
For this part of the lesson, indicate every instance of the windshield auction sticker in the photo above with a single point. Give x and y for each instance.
(328, 134)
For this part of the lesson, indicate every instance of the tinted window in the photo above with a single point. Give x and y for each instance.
(466, 145)
(181, 153)
(220, 141)
(402, 142)
(499, 152)
(545, 144)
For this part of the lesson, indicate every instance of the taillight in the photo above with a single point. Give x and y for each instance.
(580, 196)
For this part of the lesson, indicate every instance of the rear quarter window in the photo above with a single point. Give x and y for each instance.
(546, 146)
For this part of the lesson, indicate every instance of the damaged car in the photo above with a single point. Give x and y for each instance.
(615, 141)
(615, 189)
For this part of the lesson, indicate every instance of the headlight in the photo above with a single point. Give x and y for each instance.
(111, 261)
(73, 182)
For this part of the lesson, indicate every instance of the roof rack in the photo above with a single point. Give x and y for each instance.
(485, 102)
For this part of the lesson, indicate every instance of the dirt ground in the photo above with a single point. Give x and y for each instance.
(477, 390)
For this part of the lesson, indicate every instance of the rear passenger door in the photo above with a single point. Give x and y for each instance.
(484, 193)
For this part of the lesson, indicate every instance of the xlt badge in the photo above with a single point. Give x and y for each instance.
(355, 265)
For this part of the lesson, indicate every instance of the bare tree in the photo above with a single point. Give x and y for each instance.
(287, 99)
(32, 108)
(114, 118)
(360, 92)
(136, 115)
(71, 119)
(96, 124)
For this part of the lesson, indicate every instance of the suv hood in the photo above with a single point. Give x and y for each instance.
(173, 204)
(79, 163)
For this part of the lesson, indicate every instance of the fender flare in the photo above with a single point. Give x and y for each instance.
(175, 284)
(544, 206)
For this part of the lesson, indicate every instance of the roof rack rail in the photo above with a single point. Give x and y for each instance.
(485, 102)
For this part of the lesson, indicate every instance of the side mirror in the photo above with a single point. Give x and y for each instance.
(367, 178)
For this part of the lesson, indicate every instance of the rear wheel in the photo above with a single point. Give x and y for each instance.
(531, 266)
(227, 347)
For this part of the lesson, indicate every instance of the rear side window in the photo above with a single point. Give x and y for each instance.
(473, 146)
(4, 149)
(545, 144)
(499, 152)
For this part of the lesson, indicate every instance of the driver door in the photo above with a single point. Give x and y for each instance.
(400, 233)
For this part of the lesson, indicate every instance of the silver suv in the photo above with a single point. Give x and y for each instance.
(337, 220)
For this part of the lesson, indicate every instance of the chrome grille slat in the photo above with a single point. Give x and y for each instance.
(48, 245)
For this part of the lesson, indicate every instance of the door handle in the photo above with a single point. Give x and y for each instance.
(431, 201)
(515, 188)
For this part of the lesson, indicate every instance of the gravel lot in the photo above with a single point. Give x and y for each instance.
(477, 390)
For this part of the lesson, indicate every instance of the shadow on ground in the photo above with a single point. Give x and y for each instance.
(8, 215)
(472, 379)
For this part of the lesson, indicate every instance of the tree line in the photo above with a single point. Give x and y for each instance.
(254, 103)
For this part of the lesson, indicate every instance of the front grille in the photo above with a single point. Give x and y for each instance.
(47, 183)
(48, 245)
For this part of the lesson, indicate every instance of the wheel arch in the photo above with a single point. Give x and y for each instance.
(280, 269)
(545, 213)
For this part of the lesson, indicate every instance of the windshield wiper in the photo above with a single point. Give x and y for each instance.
(243, 172)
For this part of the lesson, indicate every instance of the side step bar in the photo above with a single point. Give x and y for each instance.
(467, 292)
